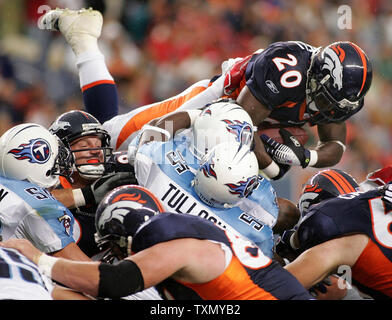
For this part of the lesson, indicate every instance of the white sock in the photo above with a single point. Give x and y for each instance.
(92, 68)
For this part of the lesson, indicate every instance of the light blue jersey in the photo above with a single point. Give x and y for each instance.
(31, 212)
(167, 169)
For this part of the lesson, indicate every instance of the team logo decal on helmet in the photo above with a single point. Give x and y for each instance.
(36, 151)
(60, 125)
(120, 214)
(241, 129)
(207, 168)
(138, 195)
(244, 188)
(333, 57)
(339, 77)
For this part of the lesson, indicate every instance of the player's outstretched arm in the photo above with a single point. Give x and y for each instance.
(331, 147)
(133, 274)
(316, 263)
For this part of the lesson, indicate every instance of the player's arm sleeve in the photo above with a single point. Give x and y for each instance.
(315, 229)
(47, 235)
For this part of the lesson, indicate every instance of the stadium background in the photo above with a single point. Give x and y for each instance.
(155, 49)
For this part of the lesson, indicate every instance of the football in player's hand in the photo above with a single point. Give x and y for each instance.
(273, 132)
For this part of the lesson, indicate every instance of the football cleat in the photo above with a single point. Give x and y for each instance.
(80, 28)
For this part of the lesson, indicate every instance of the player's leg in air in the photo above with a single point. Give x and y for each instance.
(81, 30)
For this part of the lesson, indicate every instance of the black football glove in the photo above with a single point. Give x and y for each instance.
(94, 193)
(290, 153)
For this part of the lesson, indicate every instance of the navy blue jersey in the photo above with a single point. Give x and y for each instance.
(343, 215)
(250, 275)
(354, 213)
(85, 216)
(277, 77)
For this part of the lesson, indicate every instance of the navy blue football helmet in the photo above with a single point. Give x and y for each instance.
(120, 213)
(339, 77)
(325, 184)
(76, 124)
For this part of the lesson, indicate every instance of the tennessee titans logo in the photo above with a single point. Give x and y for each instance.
(207, 111)
(241, 129)
(36, 151)
(207, 169)
(66, 222)
(244, 188)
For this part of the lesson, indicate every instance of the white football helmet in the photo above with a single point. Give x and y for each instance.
(221, 122)
(227, 173)
(30, 152)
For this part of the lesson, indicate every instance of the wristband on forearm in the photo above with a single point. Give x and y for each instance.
(313, 158)
(272, 170)
(45, 264)
(83, 196)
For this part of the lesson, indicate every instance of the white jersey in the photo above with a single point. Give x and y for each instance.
(31, 212)
(167, 170)
(123, 128)
(20, 278)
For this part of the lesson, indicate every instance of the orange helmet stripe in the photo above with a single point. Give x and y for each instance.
(339, 182)
(363, 59)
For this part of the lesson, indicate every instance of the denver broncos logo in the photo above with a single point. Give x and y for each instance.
(333, 57)
(36, 151)
(244, 188)
(241, 129)
(59, 125)
(129, 197)
(339, 51)
(136, 194)
(312, 188)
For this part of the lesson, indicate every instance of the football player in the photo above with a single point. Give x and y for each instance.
(20, 279)
(223, 185)
(348, 229)
(185, 257)
(31, 160)
(290, 83)
(96, 170)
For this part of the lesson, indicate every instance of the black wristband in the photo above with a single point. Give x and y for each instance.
(88, 195)
(119, 280)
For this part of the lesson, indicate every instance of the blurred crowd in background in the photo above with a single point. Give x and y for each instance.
(155, 49)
